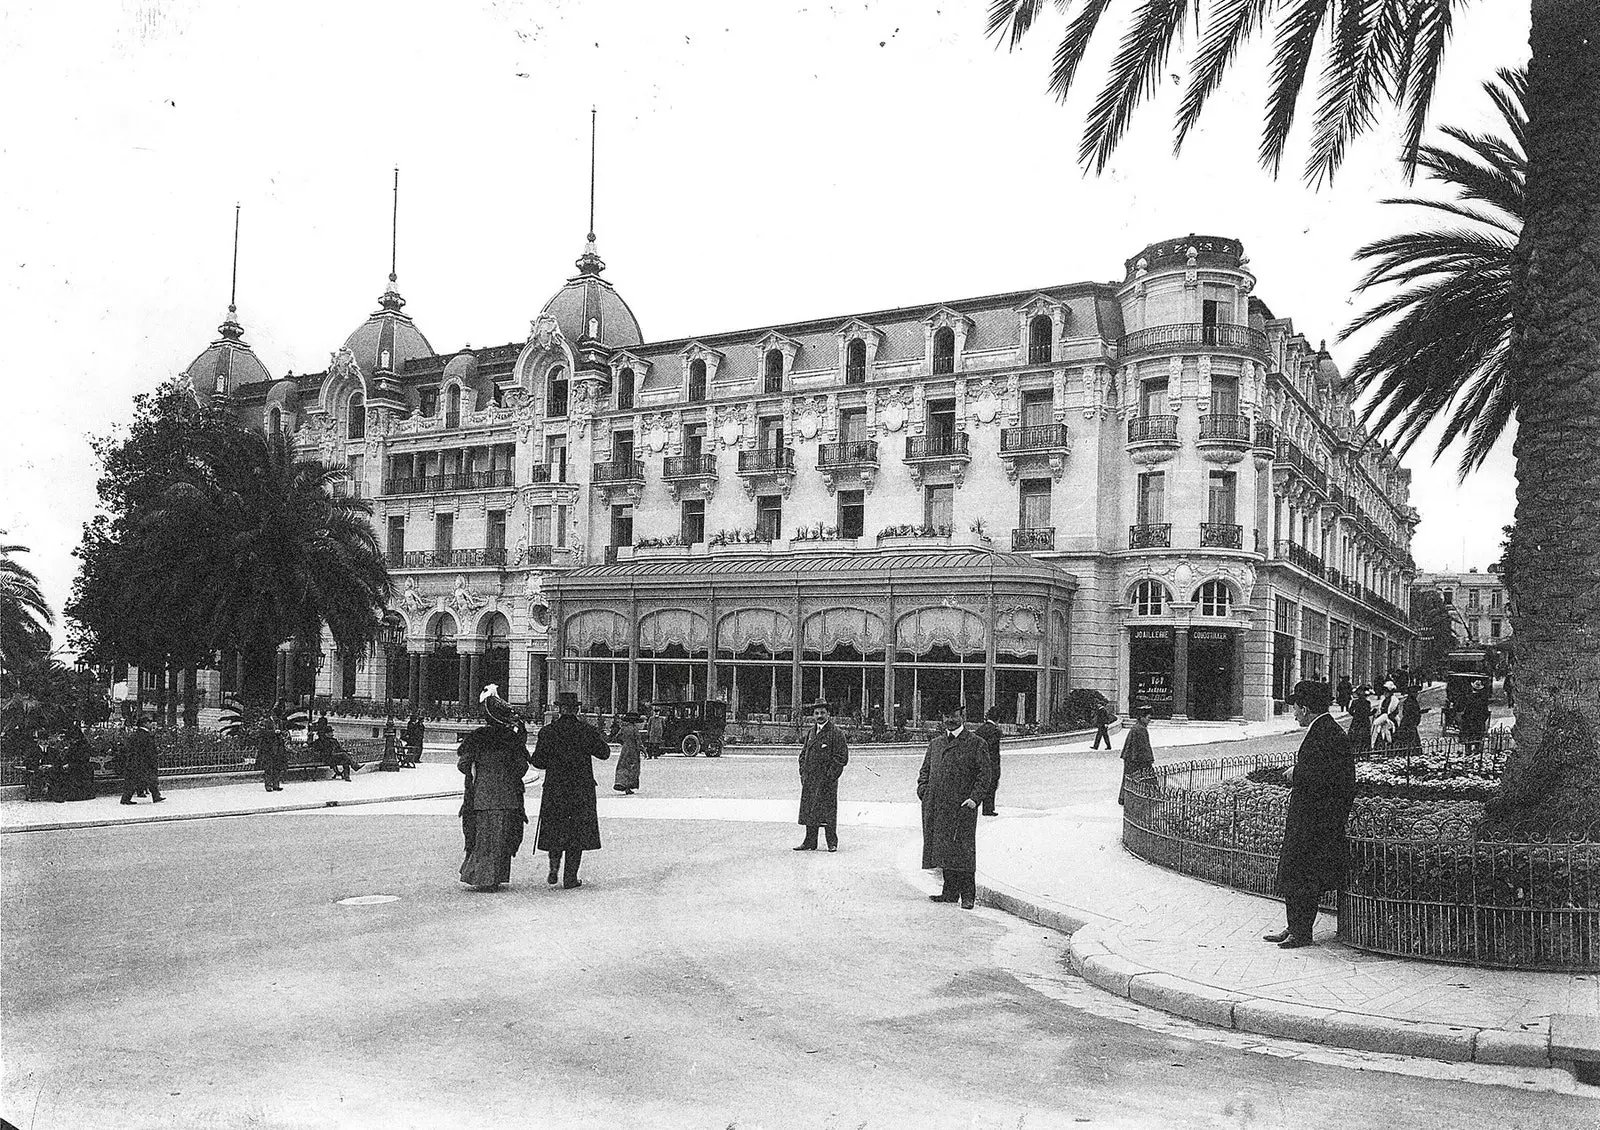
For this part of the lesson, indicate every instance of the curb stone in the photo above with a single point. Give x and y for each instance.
(1186, 998)
(268, 811)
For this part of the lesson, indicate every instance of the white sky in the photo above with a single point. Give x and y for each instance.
(759, 163)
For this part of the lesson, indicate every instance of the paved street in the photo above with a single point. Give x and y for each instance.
(205, 973)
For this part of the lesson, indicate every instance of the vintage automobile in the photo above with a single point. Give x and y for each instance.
(686, 728)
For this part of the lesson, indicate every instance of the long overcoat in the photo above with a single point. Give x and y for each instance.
(954, 770)
(1360, 725)
(1322, 788)
(566, 750)
(139, 758)
(822, 760)
(493, 760)
(990, 735)
(1138, 756)
(627, 757)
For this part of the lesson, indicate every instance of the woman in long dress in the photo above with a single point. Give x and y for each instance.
(627, 778)
(493, 758)
(1361, 722)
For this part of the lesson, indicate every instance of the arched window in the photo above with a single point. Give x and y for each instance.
(625, 389)
(452, 407)
(697, 380)
(1149, 598)
(274, 421)
(555, 392)
(944, 350)
(1214, 598)
(774, 370)
(855, 362)
(358, 417)
(1039, 334)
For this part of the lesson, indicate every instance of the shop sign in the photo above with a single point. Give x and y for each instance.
(1216, 635)
(1158, 635)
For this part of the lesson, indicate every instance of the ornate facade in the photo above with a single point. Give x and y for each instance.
(1153, 488)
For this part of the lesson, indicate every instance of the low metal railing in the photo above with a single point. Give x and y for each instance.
(1243, 338)
(938, 446)
(1225, 427)
(1221, 535)
(1153, 429)
(1151, 535)
(1034, 540)
(619, 471)
(856, 453)
(1037, 437)
(456, 480)
(688, 466)
(766, 459)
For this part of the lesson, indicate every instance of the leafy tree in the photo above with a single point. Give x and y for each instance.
(1431, 617)
(1388, 53)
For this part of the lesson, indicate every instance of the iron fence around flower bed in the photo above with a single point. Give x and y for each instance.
(1420, 884)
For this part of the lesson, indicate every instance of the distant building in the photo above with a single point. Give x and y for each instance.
(1153, 487)
(1479, 604)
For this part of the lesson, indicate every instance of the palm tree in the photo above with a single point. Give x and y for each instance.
(270, 554)
(25, 616)
(1388, 52)
(1447, 351)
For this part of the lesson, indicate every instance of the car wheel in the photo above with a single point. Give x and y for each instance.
(690, 745)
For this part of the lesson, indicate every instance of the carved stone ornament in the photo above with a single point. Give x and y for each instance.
(543, 331)
(412, 598)
(893, 416)
(464, 599)
(657, 438)
(730, 430)
(807, 421)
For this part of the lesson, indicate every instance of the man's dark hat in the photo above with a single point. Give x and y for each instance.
(632, 716)
(567, 700)
(1312, 695)
(822, 704)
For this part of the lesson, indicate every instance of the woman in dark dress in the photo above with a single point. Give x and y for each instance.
(493, 758)
(1138, 757)
(627, 778)
(1361, 721)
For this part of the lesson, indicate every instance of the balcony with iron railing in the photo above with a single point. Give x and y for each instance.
(346, 488)
(485, 558)
(1037, 540)
(1150, 535)
(939, 445)
(1266, 435)
(1221, 535)
(688, 466)
(455, 480)
(1183, 335)
(1302, 558)
(1153, 430)
(848, 453)
(767, 461)
(1225, 428)
(1035, 438)
(540, 473)
(1039, 353)
(619, 471)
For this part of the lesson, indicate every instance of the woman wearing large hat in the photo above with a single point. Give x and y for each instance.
(493, 757)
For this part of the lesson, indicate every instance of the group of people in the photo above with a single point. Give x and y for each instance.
(1382, 718)
(59, 766)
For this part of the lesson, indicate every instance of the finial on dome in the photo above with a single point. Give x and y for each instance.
(590, 263)
(390, 298)
(230, 328)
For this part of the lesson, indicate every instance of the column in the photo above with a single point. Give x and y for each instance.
(1236, 695)
(633, 650)
(1180, 674)
(990, 650)
(797, 707)
(463, 676)
(475, 679)
(424, 663)
(711, 644)
(889, 696)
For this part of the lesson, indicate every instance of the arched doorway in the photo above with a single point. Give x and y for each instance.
(441, 660)
(496, 667)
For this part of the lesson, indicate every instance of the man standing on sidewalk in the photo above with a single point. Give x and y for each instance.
(1102, 720)
(822, 761)
(1322, 788)
(569, 821)
(953, 782)
(140, 761)
(989, 734)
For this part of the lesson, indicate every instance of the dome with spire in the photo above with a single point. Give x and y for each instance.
(227, 364)
(589, 307)
(388, 338)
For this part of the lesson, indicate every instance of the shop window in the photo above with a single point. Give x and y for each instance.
(944, 350)
(1149, 598)
(1214, 598)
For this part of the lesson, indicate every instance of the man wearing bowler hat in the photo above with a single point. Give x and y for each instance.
(569, 821)
(822, 759)
(1322, 788)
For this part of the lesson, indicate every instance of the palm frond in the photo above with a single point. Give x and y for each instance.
(1431, 34)
(1360, 59)
(1073, 46)
(1233, 22)
(1015, 15)
(1297, 35)
(1135, 72)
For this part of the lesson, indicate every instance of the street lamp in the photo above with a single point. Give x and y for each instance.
(393, 636)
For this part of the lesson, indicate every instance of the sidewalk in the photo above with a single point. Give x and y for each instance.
(1190, 947)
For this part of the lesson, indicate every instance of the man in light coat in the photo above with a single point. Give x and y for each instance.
(954, 781)
(822, 760)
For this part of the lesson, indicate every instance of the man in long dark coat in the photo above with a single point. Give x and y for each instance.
(1138, 755)
(822, 759)
(1322, 788)
(989, 734)
(954, 780)
(140, 761)
(569, 822)
(493, 758)
(272, 755)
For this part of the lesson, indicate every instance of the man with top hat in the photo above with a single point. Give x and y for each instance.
(822, 760)
(569, 822)
(1322, 788)
(140, 761)
(955, 779)
(493, 759)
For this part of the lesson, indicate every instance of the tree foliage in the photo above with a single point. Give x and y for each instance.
(25, 616)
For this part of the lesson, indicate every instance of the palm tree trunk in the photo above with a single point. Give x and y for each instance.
(191, 704)
(1553, 783)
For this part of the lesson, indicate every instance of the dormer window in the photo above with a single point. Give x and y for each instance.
(222, 383)
(774, 371)
(452, 407)
(625, 388)
(855, 362)
(428, 402)
(944, 350)
(274, 422)
(358, 417)
(697, 381)
(1039, 333)
(555, 392)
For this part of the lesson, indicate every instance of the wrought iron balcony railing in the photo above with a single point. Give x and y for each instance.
(942, 445)
(457, 480)
(1039, 437)
(1301, 557)
(620, 471)
(1242, 339)
(1153, 429)
(688, 466)
(766, 460)
(1266, 434)
(488, 557)
(1033, 540)
(851, 453)
(1039, 353)
(539, 473)
(1150, 535)
(1221, 535)
(1225, 427)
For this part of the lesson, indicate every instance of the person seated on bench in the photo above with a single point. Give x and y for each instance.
(340, 763)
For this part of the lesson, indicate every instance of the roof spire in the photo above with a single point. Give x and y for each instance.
(590, 263)
(390, 299)
(230, 328)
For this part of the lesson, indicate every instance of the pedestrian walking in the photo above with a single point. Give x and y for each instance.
(952, 784)
(658, 730)
(822, 760)
(569, 822)
(989, 734)
(1361, 721)
(140, 761)
(1138, 756)
(1511, 700)
(1474, 722)
(413, 735)
(1322, 786)
(272, 756)
(1102, 721)
(1408, 727)
(627, 778)
(493, 759)
(1344, 693)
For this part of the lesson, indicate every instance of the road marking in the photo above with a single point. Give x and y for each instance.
(367, 900)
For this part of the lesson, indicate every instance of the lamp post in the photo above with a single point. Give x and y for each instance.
(393, 637)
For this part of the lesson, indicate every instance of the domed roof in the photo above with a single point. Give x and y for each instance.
(587, 298)
(388, 338)
(226, 364)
